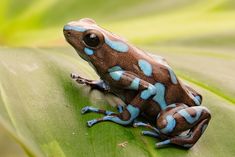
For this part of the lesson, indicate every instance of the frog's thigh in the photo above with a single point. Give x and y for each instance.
(175, 121)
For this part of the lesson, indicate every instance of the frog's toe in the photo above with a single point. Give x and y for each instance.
(90, 123)
(136, 124)
(149, 133)
(163, 143)
(74, 76)
(85, 110)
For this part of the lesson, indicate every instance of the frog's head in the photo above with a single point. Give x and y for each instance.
(92, 42)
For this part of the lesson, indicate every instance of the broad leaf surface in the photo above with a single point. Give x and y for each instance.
(40, 107)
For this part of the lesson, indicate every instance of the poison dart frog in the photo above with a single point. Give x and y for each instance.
(146, 83)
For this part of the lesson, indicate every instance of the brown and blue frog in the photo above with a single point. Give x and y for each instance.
(145, 83)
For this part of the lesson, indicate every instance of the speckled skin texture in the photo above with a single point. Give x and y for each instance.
(146, 84)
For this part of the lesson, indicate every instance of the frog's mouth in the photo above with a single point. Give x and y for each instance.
(84, 57)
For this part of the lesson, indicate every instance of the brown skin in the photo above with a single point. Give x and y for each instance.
(104, 57)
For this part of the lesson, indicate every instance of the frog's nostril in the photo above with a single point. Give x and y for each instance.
(68, 33)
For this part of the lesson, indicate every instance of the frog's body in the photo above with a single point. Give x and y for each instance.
(146, 83)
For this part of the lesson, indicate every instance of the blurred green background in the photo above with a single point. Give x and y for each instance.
(197, 37)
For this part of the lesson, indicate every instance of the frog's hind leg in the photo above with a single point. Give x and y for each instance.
(175, 121)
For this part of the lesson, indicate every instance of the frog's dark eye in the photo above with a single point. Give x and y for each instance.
(92, 39)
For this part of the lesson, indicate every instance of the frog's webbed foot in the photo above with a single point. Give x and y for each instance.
(93, 84)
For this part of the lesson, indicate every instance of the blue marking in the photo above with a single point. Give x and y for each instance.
(135, 84)
(75, 28)
(117, 45)
(116, 72)
(88, 51)
(188, 117)
(148, 92)
(134, 112)
(172, 75)
(170, 124)
(116, 75)
(195, 99)
(160, 96)
(198, 98)
(171, 72)
(146, 67)
(115, 68)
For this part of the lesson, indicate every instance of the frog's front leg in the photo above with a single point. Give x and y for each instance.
(94, 84)
(126, 80)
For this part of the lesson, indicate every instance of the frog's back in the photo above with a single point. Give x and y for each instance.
(155, 70)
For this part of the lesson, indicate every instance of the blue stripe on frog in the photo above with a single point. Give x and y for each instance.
(148, 92)
(172, 75)
(135, 84)
(198, 98)
(75, 28)
(145, 66)
(160, 96)
(117, 45)
(88, 51)
(115, 68)
(116, 73)
(189, 117)
(171, 72)
(170, 124)
(134, 112)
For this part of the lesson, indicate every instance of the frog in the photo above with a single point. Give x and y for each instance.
(146, 84)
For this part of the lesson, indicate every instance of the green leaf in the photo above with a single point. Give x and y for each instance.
(40, 107)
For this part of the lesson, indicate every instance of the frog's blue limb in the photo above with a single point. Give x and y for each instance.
(145, 94)
(163, 143)
(136, 124)
(134, 112)
(117, 45)
(88, 51)
(172, 74)
(189, 118)
(93, 109)
(75, 28)
(135, 84)
(171, 123)
(116, 75)
(150, 133)
(160, 96)
(146, 67)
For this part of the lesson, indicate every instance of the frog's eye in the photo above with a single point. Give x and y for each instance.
(93, 39)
